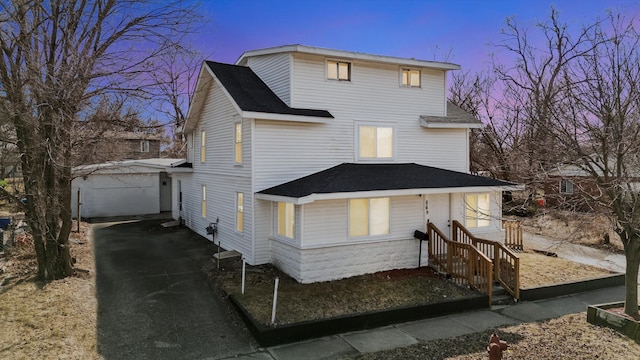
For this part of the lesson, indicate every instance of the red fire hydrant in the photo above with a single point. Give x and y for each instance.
(496, 347)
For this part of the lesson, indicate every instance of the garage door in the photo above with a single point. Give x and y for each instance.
(120, 194)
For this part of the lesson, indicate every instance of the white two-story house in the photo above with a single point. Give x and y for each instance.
(324, 162)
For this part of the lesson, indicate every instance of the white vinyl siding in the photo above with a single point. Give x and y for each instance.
(275, 71)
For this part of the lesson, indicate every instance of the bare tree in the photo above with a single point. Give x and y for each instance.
(598, 125)
(55, 57)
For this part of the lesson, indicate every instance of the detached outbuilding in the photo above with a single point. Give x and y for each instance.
(132, 187)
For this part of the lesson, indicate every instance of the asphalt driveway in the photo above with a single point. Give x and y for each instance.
(154, 301)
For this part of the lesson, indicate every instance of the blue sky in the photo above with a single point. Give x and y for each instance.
(422, 29)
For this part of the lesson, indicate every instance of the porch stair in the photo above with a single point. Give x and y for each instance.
(487, 266)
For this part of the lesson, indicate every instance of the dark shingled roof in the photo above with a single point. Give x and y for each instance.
(252, 94)
(350, 177)
(455, 115)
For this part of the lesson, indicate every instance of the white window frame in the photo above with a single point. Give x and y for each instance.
(337, 64)
(566, 187)
(240, 212)
(203, 146)
(144, 146)
(203, 210)
(475, 216)
(237, 150)
(377, 126)
(372, 227)
(410, 72)
(286, 225)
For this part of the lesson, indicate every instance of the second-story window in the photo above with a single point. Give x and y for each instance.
(144, 146)
(238, 148)
(338, 70)
(411, 77)
(203, 147)
(376, 142)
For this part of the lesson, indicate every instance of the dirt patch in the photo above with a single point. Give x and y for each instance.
(540, 270)
(593, 230)
(567, 337)
(48, 320)
(301, 302)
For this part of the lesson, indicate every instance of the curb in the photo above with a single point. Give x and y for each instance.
(283, 334)
(562, 289)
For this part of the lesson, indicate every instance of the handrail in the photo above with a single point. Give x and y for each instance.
(513, 234)
(463, 262)
(506, 264)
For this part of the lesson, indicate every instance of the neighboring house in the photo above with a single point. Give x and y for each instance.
(119, 146)
(570, 187)
(324, 162)
(133, 187)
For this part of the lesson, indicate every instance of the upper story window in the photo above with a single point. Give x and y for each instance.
(286, 220)
(203, 147)
(369, 217)
(238, 147)
(411, 77)
(478, 210)
(566, 187)
(375, 142)
(144, 146)
(338, 70)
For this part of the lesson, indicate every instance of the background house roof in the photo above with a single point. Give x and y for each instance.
(252, 94)
(349, 177)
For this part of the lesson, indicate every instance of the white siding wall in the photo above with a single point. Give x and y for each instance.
(274, 70)
(221, 176)
(287, 150)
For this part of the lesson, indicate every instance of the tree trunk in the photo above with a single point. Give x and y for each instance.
(632, 255)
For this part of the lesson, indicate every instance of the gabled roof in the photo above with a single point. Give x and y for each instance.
(347, 54)
(347, 179)
(456, 117)
(251, 97)
(252, 94)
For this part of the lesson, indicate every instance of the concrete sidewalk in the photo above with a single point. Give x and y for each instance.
(401, 335)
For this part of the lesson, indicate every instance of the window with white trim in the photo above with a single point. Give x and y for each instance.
(338, 70)
(286, 220)
(411, 77)
(204, 201)
(144, 146)
(239, 212)
(375, 142)
(478, 210)
(203, 147)
(566, 187)
(238, 147)
(369, 217)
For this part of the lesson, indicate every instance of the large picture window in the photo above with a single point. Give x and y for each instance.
(478, 213)
(376, 142)
(286, 220)
(368, 217)
(240, 212)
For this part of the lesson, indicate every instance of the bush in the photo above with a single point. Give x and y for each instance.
(3, 183)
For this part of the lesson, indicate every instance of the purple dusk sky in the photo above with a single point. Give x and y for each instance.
(422, 29)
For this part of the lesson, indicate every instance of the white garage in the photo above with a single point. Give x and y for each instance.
(133, 187)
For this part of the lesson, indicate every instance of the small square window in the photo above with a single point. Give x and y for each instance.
(144, 146)
(411, 77)
(338, 70)
(375, 142)
(566, 187)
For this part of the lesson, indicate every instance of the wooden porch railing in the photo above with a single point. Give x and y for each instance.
(506, 264)
(463, 262)
(513, 234)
